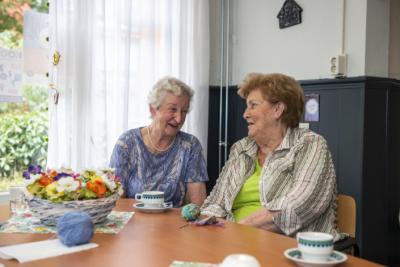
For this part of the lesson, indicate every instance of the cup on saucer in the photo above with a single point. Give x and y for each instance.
(315, 246)
(151, 199)
(240, 260)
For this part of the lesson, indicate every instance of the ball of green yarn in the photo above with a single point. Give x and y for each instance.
(190, 212)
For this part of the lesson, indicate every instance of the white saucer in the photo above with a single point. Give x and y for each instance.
(141, 207)
(294, 254)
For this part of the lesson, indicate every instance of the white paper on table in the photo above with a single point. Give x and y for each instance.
(40, 250)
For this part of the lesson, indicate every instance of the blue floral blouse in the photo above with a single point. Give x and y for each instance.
(141, 170)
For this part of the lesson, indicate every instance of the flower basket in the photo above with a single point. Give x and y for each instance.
(55, 192)
(50, 212)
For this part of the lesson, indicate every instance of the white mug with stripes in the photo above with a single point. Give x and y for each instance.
(315, 246)
(151, 199)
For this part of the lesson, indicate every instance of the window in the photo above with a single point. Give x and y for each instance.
(23, 95)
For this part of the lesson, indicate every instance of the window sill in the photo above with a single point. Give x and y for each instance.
(4, 197)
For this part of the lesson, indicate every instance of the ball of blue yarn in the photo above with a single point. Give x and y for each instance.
(190, 212)
(75, 228)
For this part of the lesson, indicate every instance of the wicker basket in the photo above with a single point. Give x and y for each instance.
(49, 212)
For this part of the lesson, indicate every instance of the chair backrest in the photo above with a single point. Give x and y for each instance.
(346, 214)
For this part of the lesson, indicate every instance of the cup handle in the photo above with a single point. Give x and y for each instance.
(168, 205)
(138, 196)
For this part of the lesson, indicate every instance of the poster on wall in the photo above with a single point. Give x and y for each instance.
(10, 75)
(311, 110)
(36, 48)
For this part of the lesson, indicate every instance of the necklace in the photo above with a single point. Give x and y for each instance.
(156, 148)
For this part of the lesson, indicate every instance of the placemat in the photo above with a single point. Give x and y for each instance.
(26, 223)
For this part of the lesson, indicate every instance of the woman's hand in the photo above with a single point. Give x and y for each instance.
(263, 219)
(196, 193)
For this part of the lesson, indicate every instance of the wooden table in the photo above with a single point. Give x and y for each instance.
(155, 240)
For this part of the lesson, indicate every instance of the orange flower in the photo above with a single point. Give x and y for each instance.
(97, 186)
(53, 174)
(45, 180)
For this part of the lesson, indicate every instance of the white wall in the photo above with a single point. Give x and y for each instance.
(303, 51)
(377, 42)
(215, 42)
(355, 35)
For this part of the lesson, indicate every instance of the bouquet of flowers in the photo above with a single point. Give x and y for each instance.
(67, 185)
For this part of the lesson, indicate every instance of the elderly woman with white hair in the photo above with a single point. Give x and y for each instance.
(160, 156)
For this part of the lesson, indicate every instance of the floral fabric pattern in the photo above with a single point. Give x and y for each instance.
(141, 170)
(26, 223)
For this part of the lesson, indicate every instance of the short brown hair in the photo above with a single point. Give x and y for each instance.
(275, 88)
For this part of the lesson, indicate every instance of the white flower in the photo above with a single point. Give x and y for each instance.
(109, 183)
(32, 178)
(67, 184)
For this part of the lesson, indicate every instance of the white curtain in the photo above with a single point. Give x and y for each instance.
(112, 52)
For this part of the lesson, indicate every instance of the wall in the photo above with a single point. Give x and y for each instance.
(215, 41)
(377, 42)
(303, 51)
(394, 41)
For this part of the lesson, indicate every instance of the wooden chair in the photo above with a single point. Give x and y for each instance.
(346, 222)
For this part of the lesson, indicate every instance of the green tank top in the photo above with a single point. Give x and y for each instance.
(247, 200)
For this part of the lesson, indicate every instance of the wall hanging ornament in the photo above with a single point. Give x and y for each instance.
(290, 14)
(56, 58)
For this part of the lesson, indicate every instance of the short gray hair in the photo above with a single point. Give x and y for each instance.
(168, 85)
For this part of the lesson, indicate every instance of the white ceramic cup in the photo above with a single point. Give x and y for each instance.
(152, 199)
(315, 246)
(240, 260)
(18, 203)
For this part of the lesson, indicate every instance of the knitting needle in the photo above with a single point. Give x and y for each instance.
(183, 226)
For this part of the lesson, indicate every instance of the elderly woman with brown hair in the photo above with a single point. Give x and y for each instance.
(280, 178)
(160, 156)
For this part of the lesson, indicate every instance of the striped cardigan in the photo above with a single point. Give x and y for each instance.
(298, 179)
